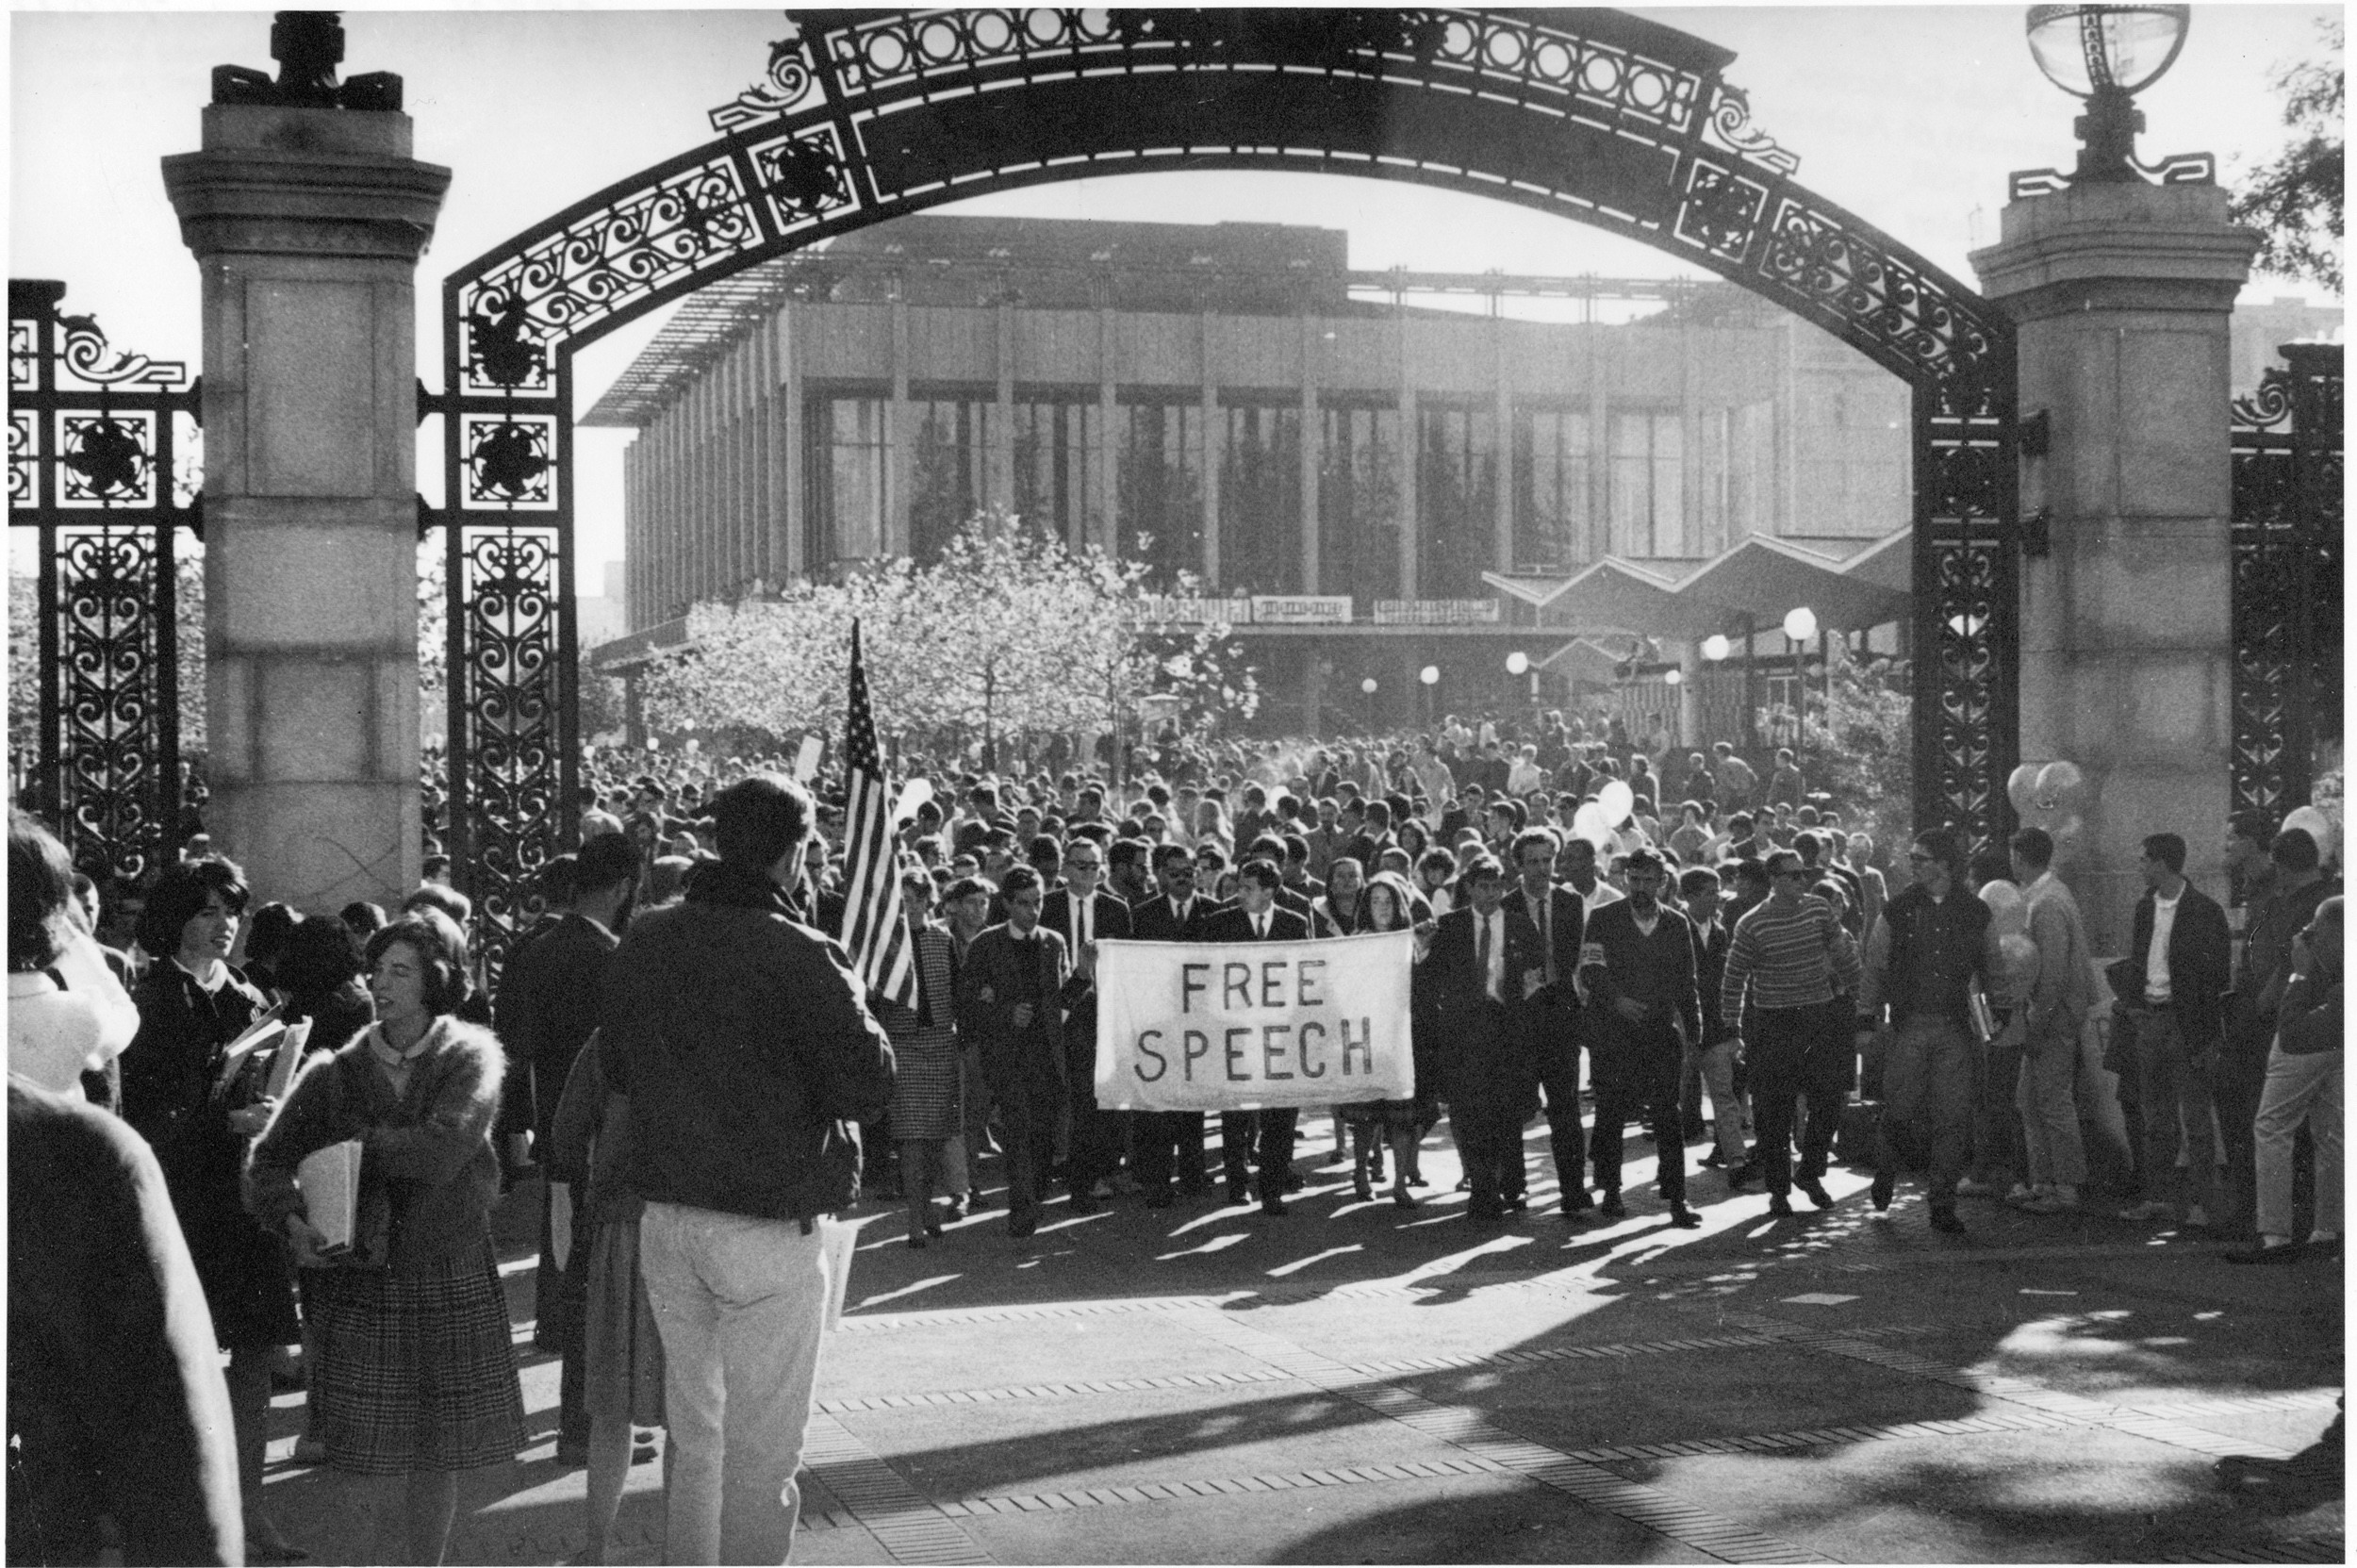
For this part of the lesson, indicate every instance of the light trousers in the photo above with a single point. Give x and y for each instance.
(2047, 1098)
(1716, 1063)
(740, 1303)
(2298, 1088)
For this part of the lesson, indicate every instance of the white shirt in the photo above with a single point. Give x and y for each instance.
(1494, 977)
(2157, 961)
(1601, 894)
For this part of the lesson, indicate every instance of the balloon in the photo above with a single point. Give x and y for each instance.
(2318, 827)
(2059, 783)
(1588, 822)
(1617, 800)
(2007, 911)
(913, 794)
(2017, 965)
(2020, 785)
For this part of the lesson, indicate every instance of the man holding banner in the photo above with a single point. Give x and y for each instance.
(1268, 1134)
(1246, 1013)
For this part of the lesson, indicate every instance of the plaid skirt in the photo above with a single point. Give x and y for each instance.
(416, 1371)
(624, 1355)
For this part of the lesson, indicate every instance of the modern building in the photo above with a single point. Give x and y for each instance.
(1364, 481)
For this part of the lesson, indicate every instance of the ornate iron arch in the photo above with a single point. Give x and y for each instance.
(863, 116)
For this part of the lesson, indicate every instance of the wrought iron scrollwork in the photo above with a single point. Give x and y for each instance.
(789, 83)
(1965, 606)
(509, 707)
(1730, 126)
(1833, 267)
(2287, 578)
(92, 432)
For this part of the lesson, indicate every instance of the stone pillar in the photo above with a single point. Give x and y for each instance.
(307, 223)
(2123, 294)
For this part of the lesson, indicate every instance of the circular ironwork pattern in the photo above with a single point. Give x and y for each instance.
(106, 459)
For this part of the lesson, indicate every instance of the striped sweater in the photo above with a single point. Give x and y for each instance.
(1789, 955)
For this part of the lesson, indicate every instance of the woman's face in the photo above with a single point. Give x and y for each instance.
(397, 984)
(210, 933)
(1382, 907)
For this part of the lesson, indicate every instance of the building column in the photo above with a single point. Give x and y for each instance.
(1410, 440)
(899, 441)
(1108, 417)
(1214, 450)
(1312, 439)
(1501, 522)
(1599, 444)
(2123, 294)
(306, 225)
(1001, 478)
(789, 496)
(1313, 688)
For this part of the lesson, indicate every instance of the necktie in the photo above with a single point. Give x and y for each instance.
(1546, 929)
(1259, 927)
(1485, 959)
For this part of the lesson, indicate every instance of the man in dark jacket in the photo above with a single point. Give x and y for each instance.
(1485, 963)
(1170, 1140)
(1639, 964)
(1082, 914)
(743, 1043)
(548, 1008)
(1011, 1006)
(1268, 1134)
(1551, 1017)
(2184, 954)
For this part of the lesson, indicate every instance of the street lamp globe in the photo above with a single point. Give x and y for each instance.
(1672, 677)
(1367, 685)
(1800, 623)
(2085, 49)
(2106, 55)
(1518, 663)
(1430, 675)
(1715, 647)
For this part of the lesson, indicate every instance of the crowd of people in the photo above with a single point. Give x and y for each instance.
(1600, 936)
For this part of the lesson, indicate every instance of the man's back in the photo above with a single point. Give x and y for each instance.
(743, 1043)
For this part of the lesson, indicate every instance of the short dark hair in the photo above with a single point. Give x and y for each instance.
(1124, 852)
(2295, 849)
(267, 932)
(1529, 836)
(1261, 873)
(362, 917)
(1696, 879)
(1641, 859)
(1751, 872)
(1043, 847)
(1942, 846)
(435, 939)
(762, 820)
(2035, 846)
(1478, 867)
(320, 955)
(603, 862)
(1807, 846)
(40, 883)
(1019, 879)
(179, 896)
(2169, 850)
(560, 879)
(965, 887)
(1741, 823)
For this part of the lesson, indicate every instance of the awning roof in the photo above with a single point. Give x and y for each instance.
(1761, 577)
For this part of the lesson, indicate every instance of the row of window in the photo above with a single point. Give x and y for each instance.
(1570, 500)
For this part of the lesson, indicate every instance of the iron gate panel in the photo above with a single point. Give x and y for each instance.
(2287, 566)
(93, 436)
(1593, 115)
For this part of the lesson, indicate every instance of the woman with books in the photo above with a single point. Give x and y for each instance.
(380, 1174)
(198, 1099)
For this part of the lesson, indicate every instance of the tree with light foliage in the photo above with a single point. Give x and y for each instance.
(2296, 200)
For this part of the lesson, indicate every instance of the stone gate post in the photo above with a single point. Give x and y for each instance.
(308, 215)
(2123, 293)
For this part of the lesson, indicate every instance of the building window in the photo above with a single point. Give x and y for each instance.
(1158, 476)
(1648, 486)
(1358, 502)
(843, 444)
(1260, 499)
(1457, 485)
(1752, 472)
(1058, 452)
(1550, 469)
(950, 471)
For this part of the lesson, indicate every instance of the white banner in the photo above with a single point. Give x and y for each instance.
(1193, 1026)
(1301, 609)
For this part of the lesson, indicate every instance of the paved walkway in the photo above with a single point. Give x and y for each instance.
(1355, 1384)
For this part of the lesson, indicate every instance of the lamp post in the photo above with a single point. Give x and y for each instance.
(2106, 55)
(1369, 686)
(1517, 666)
(1431, 676)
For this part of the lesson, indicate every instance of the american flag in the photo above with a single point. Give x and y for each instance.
(874, 933)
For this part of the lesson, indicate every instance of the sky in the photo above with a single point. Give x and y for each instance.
(1911, 116)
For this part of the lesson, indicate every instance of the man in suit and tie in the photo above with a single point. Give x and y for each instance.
(1081, 914)
(1486, 963)
(1010, 995)
(1639, 964)
(1256, 917)
(1169, 1139)
(1551, 1017)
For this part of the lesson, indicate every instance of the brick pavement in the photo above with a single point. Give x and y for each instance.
(1355, 1383)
